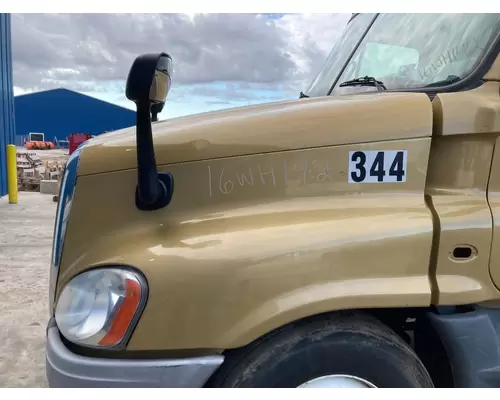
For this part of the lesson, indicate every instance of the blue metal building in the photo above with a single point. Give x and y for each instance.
(58, 113)
(6, 98)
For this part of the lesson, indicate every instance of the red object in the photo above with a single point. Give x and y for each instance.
(76, 139)
(39, 145)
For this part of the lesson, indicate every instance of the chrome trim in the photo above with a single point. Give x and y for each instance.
(338, 381)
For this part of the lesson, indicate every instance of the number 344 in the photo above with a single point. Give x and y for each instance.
(386, 166)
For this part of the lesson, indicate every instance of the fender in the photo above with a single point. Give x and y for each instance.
(250, 243)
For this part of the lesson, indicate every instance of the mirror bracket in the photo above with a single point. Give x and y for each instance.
(156, 108)
(154, 190)
(166, 191)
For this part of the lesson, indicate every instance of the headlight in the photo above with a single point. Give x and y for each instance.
(100, 307)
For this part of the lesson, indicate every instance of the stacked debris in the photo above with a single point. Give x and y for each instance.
(28, 175)
(31, 170)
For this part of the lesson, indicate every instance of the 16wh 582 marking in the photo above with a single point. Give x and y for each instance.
(377, 166)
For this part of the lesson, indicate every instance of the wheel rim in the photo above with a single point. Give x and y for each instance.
(338, 381)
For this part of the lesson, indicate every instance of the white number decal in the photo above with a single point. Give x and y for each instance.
(386, 166)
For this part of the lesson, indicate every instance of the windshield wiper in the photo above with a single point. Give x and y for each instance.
(448, 81)
(365, 81)
(302, 95)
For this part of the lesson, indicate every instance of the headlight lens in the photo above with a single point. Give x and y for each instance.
(99, 307)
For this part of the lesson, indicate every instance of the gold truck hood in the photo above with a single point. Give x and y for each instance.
(280, 126)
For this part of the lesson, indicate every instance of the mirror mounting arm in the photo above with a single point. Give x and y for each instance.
(154, 190)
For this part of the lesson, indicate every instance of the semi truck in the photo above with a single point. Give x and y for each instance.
(349, 237)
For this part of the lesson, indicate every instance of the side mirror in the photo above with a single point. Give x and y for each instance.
(148, 84)
(149, 78)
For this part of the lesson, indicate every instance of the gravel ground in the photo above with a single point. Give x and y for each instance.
(25, 247)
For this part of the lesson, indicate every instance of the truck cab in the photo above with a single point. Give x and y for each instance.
(346, 238)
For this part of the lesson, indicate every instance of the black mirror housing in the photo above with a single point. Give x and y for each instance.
(149, 78)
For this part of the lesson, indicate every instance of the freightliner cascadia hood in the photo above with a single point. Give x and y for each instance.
(280, 126)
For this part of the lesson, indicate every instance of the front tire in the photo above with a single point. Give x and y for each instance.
(334, 350)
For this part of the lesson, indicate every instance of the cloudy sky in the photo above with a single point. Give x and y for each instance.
(220, 60)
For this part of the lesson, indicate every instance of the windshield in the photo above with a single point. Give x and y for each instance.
(340, 53)
(407, 50)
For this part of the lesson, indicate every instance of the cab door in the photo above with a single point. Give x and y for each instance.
(489, 117)
(467, 230)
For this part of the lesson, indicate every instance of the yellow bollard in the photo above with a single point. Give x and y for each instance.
(12, 173)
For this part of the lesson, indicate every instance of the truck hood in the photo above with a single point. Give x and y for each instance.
(281, 126)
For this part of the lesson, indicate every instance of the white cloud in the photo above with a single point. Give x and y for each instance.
(205, 47)
(92, 53)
